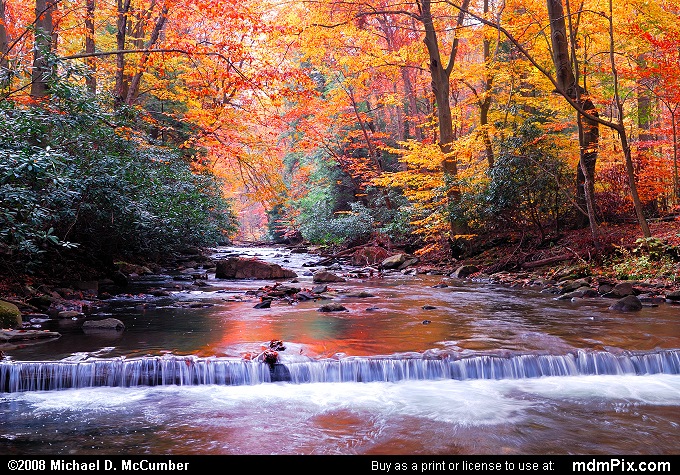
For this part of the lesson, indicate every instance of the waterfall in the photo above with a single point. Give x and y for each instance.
(18, 376)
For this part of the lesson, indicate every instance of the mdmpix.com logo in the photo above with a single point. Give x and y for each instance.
(620, 465)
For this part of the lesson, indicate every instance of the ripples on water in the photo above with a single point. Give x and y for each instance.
(572, 413)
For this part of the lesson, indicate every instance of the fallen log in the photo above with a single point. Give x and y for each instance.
(344, 253)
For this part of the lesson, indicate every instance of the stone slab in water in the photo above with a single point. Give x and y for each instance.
(17, 335)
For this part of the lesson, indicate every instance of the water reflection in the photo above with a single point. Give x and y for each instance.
(574, 414)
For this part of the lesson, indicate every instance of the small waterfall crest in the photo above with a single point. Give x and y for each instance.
(18, 376)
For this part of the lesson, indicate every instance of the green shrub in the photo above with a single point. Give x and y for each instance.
(73, 176)
(522, 189)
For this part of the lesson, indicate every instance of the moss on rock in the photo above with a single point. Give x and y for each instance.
(10, 315)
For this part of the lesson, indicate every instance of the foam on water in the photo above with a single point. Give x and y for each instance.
(474, 402)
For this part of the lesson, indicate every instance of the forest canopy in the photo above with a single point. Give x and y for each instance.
(141, 126)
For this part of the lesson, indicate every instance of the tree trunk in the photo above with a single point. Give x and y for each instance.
(4, 44)
(645, 113)
(410, 108)
(588, 129)
(485, 103)
(42, 47)
(133, 90)
(91, 80)
(121, 87)
(440, 75)
(621, 129)
(676, 183)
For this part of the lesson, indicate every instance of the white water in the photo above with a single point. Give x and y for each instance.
(339, 418)
(574, 414)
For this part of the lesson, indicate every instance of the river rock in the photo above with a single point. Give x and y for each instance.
(572, 285)
(303, 295)
(408, 263)
(319, 289)
(105, 324)
(629, 303)
(464, 271)
(19, 335)
(393, 261)
(581, 292)
(266, 303)
(332, 307)
(133, 269)
(325, 276)
(242, 268)
(70, 314)
(673, 296)
(361, 295)
(10, 315)
(621, 289)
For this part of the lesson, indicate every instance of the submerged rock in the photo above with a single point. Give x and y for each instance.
(267, 303)
(105, 324)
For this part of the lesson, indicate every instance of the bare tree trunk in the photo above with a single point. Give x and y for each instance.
(587, 127)
(91, 80)
(485, 103)
(4, 43)
(676, 183)
(42, 47)
(411, 107)
(440, 75)
(621, 129)
(133, 90)
(121, 86)
(645, 108)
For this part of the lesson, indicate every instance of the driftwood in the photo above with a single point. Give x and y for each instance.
(549, 260)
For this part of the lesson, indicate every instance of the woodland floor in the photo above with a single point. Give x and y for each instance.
(522, 253)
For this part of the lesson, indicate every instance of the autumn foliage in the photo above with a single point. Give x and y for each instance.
(327, 116)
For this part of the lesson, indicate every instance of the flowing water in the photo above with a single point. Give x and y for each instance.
(416, 364)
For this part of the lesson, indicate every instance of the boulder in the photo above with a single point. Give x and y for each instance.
(629, 303)
(10, 315)
(325, 276)
(319, 289)
(242, 268)
(464, 271)
(568, 286)
(393, 261)
(673, 296)
(621, 290)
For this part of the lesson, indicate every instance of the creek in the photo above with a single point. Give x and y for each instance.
(416, 364)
